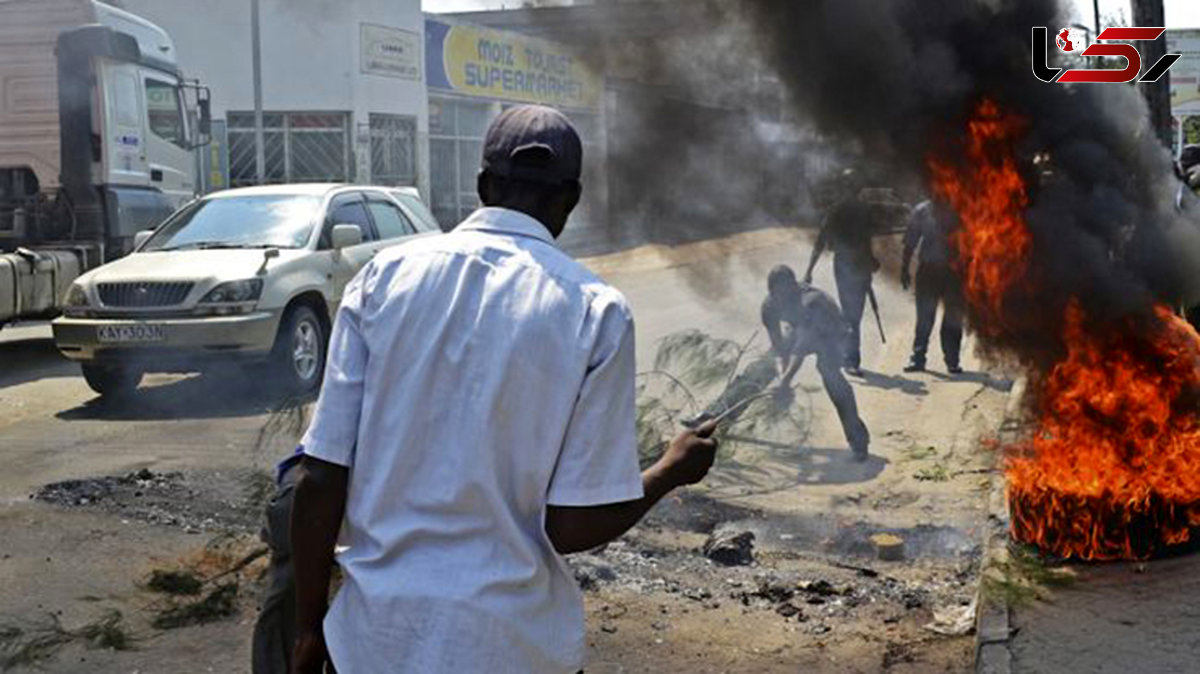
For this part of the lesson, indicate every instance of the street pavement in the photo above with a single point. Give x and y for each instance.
(52, 428)
(1117, 618)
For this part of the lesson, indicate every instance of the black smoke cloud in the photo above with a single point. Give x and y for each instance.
(901, 77)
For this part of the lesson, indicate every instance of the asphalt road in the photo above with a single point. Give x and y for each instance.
(52, 427)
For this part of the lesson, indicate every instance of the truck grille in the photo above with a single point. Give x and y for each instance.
(149, 294)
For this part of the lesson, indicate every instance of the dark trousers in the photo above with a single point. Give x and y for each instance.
(938, 285)
(275, 629)
(853, 283)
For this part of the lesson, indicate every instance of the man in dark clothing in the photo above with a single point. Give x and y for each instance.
(848, 229)
(801, 321)
(275, 629)
(929, 228)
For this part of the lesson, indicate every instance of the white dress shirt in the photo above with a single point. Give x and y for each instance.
(473, 379)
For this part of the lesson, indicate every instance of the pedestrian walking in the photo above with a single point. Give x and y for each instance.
(476, 422)
(929, 229)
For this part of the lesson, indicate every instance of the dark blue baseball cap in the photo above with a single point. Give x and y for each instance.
(533, 143)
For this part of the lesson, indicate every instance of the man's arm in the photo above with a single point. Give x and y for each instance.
(782, 350)
(320, 504)
(912, 237)
(686, 461)
(817, 251)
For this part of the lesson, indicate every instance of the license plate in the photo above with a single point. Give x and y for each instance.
(129, 334)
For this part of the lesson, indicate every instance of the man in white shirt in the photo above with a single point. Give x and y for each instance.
(476, 422)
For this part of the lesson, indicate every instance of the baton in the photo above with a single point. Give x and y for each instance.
(875, 308)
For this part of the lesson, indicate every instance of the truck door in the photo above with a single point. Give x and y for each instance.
(123, 137)
(169, 155)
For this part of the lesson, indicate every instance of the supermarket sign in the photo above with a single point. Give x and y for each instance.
(507, 66)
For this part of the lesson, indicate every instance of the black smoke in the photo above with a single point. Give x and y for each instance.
(902, 77)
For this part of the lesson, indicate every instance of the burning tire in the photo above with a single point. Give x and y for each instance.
(111, 380)
(298, 359)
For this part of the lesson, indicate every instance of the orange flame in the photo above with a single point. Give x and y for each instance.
(993, 242)
(1113, 469)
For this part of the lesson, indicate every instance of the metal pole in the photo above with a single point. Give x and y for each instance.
(1096, 10)
(260, 156)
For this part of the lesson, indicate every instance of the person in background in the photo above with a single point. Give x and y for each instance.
(848, 229)
(801, 321)
(929, 229)
(476, 422)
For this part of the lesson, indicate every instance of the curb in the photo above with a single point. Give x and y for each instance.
(993, 628)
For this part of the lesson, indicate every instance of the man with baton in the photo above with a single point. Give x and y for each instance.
(476, 422)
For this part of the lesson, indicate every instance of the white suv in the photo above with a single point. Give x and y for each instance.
(253, 274)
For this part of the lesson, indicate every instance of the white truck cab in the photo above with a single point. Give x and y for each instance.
(97, 142)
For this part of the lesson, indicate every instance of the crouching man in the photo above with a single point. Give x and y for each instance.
(802, 321)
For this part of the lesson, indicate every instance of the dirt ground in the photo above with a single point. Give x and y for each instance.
(176, 480)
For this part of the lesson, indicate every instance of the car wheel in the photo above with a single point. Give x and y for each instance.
(298, 358)
(111, 380)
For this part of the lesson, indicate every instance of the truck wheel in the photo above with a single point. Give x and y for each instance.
(298, 358)
(111, 380)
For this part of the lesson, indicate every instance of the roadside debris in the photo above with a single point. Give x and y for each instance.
(888, 547)
(953, 621)
(195, 501)
(30, 644)
(730, 548)
(219, 603)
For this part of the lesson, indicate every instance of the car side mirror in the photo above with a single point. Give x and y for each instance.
(142, 237)
(205, 121)
(345, 236)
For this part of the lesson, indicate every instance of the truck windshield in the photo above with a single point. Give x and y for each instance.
(267, 221)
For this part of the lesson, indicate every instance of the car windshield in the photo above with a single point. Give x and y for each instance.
(261, 221)
(425, 221)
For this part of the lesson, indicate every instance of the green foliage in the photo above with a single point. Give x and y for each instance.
(1023, 576)
(29, 644)
(221, 602)
(695, 372)
(176, 582)
(698, 360)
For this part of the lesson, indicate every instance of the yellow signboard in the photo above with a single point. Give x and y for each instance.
(509, 66)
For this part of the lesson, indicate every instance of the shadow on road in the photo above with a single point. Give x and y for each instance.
(200, 397)
(886, 382)
(981, 378)
(26, 360)
(778, 466)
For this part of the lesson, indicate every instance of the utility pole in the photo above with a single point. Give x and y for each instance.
(1096, 10)
(1149, 13)
(260, 155)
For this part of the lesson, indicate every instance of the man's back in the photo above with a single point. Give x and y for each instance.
(493, 370)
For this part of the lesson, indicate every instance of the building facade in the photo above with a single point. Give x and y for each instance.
(475, 73)
(343, 87)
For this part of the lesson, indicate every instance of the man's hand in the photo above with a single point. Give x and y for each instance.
(905, 279)
(689, 456)
(309, 655)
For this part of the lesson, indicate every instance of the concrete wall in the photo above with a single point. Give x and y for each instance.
(311, 57)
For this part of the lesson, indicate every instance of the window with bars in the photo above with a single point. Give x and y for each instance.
(298, 147)
(393, 149)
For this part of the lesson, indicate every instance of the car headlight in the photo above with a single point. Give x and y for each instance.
(235, 292)
(76, 297)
